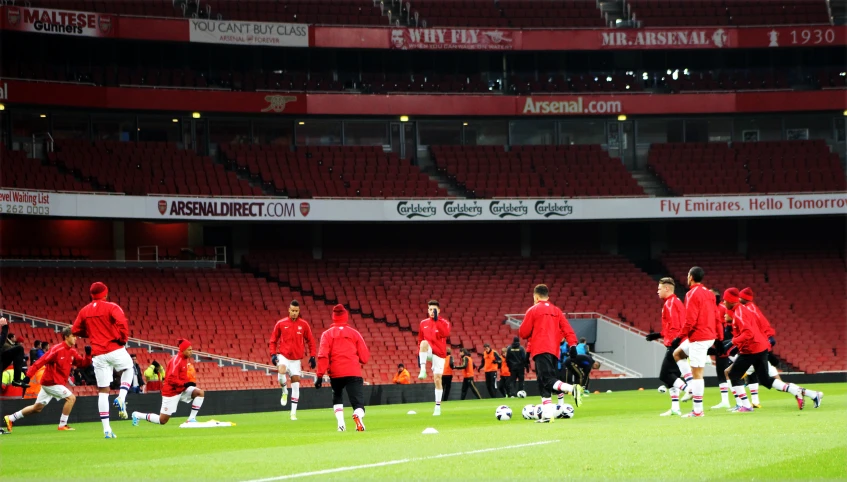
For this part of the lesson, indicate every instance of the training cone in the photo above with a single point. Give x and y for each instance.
(430, 430)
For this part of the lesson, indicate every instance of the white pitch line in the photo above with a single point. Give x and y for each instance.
(398, 461)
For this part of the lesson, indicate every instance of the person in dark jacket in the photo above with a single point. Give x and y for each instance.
(12, 353)
(34, 354)
(516, 360)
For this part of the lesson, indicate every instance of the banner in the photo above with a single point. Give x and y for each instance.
(155, 208)
(679, 38)
(59, 22)
(454, 39)
(235, 32)
(798, 36)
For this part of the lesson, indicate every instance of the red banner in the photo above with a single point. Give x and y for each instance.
(171, 100)
(454, 39)
(59, 22)
(799, 36)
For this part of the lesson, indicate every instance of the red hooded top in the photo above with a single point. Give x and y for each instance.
(342, 350)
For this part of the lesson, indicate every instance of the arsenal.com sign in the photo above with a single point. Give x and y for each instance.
(451, 39)
(59, 22)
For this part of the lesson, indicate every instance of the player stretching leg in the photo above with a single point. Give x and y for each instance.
(544, 325)
(288, 346)
(105, 324)
(341, 356)
(673, 317)
(58, 362)
(176, 388)
(432, 339)
(746, 296)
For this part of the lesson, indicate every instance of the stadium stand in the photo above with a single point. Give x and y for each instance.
(535, 171)
(659, 13)
(19, 171)
(331, 171)
(510, 13)
(744, 167)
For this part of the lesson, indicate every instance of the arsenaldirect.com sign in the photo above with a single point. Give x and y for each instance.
(232, 209)
(249, 33)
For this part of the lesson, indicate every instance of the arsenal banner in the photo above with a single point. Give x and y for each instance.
(454, 39)
(249, 33)
(59, 22)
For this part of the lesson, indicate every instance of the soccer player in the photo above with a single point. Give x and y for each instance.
(467, 375)
(106, 326)
(746, 297)
(753, 348)
(176, 388)
(722, 360)
(698, 331)
(57, 362)
(673, 317)
(505, 375)
(544, 325)
(447, 376)
(491, 362)
(287, 346)
(432, 341)
(341, 355)
(516, 360)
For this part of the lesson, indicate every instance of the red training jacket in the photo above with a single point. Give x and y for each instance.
(699, 315)
(57, 363)
(746, 334)
(176, 376)
(102, 322)
(673, 317)
(289, 339)
(435, 333)
(764, 324)
(720, 321)
(544, 326)
(342, 352)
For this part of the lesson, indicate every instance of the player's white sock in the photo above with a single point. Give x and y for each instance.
(63, 420)
(295, 396)
(680, 385)
(360, 413)
(438, 394)
(737, 400)
(548, 411)
(103, 406)
(674, 398)
(754, 393)
(339, 414)
(561, 398)
(16, 416)
(281, 378)
(151, 417)
(685, 369)
(195, 407)
(724, 393)
(792, 389)
(563, 387)
(422, 360)
(742, 396)
(126, 382)
(698, 387)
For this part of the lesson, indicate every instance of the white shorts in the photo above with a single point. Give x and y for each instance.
(437, 365)
(104, 365)
(169, 404)
(59, 392)
(772, 371)
(696, 351)
(293, 366)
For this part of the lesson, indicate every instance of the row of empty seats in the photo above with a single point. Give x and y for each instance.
(19, 171)
(655, 13)
(510, 13)
(535, 171)
(744, 167)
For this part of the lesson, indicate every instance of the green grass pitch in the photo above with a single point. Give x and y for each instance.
(617, 435)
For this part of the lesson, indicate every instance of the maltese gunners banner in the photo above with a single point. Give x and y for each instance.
(454, 39)
(59, 22)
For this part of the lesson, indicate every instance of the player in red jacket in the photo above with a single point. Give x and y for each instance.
(341, 356)
(105, 325)
(544, 325)
(673, 317)
(746, 296)
(288, 347)
(696, 337)
(57, 365)
(177, 387)
(432, 341)
(752, 346)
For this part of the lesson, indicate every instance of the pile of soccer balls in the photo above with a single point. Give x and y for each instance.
(533, 412)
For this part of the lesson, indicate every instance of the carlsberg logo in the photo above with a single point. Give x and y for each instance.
(502, 209)
(416, 209)
(553, 208)
(462, 209)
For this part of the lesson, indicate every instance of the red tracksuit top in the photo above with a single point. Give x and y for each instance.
(544, 325)
(57, 363)
(342, 352)
(673, 317)
(764, 325)
(721, 311)
(746, 334)
(289, 339)
(176, 376)
(699, 315)
(435, 333)
(102, 322)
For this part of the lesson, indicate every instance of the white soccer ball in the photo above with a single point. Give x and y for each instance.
(521, 394)
(528, 412)
(564, 410)
(503, 413)
(538, 410)
(662, 389)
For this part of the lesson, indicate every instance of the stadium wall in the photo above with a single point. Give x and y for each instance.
(252, 401)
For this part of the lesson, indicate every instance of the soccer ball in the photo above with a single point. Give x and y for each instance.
(528, 412)
(503, 413)
(662, 389)
(521, 394)
(564, 410)
(538, 410)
